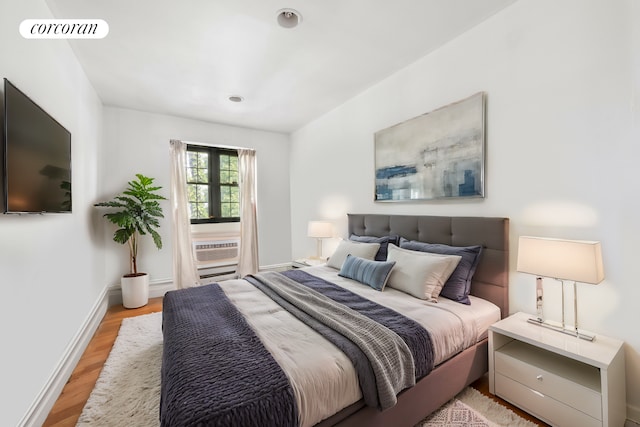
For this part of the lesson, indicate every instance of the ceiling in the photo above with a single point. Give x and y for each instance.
(185, 58)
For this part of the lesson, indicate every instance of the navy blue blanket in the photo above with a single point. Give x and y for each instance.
(215, 370)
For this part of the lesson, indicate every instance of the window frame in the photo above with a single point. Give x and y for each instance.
(213, 182)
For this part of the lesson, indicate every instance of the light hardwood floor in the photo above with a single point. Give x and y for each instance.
(68, 407)
(75, 393)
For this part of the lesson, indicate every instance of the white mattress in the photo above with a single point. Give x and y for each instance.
(323, 378)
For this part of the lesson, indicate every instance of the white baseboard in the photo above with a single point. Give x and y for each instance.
(44, 401)
(633, 416)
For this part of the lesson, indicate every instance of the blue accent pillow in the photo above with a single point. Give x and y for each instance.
(384, 243)
(372, 273)
(458, 286)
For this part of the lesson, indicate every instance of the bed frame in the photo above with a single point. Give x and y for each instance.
(491, 282)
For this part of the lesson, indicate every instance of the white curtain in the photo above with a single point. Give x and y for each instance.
(185, 272)
(248, 260)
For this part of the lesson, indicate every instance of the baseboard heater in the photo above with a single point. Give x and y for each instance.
(208, 275)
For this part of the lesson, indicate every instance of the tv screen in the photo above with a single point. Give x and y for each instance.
(37, 157)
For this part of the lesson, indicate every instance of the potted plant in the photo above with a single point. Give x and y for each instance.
(139, 210)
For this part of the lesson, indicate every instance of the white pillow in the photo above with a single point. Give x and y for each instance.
(346, 247)
(421, 274)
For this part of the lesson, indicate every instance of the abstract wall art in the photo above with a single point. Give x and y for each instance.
(437, 155)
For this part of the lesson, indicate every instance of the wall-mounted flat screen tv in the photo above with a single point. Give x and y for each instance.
(36, 157)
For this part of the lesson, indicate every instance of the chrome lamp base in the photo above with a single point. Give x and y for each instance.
(560, 328)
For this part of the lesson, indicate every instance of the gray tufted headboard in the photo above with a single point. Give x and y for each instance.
(491, 279)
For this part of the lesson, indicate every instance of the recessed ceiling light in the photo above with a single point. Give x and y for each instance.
(236, 98)
(289, 18)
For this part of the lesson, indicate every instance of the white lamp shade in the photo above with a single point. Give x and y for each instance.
(576, 260)
(320, 229)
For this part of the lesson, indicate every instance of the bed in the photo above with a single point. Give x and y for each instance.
(195, 356)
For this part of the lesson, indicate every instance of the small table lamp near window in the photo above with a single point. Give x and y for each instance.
(319, 230)
(572, 260)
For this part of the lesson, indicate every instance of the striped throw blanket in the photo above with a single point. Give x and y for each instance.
(384, 360)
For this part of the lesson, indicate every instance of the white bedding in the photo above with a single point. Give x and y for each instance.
(323, 378)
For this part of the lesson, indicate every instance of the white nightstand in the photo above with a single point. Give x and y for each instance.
(307, 262)
(560, 379)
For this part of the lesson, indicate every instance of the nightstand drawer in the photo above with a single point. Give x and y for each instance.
(569, 381)
(541, 405)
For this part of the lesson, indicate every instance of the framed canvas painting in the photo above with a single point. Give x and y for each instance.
(437, 155)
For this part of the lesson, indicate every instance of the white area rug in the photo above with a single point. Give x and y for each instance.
(127, 392)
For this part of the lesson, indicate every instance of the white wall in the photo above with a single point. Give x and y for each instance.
(562, 146)
(50, 266)
(138, 142)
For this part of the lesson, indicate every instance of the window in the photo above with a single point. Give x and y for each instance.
(212, 184)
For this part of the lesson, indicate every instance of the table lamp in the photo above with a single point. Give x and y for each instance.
(570, 260)
(319, 230)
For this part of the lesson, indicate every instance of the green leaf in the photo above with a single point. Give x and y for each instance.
(122, 235)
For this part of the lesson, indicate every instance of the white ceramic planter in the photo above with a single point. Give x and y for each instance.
(135, 290)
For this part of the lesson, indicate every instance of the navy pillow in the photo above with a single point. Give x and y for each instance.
(372, 273)
(384, 243)
(458, 286)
